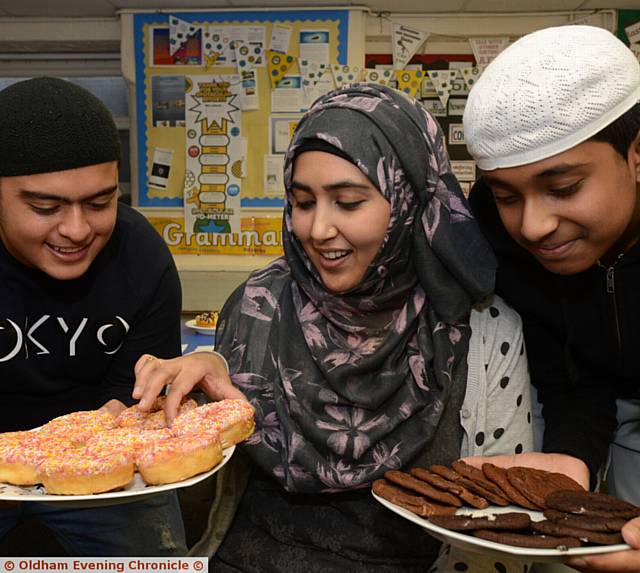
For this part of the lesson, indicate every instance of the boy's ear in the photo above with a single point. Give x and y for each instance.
(634, 156)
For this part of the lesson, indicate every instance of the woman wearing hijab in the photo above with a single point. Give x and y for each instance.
(361, 350)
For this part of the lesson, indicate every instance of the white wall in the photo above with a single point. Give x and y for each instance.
(59, 46)
(449, 33)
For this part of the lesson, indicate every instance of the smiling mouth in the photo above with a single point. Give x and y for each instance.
(335, 255)
(67, 250)
(69, 255)
(552, 251)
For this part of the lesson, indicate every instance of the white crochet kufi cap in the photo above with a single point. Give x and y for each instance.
(548, 92)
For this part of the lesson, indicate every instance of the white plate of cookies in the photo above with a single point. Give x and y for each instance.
(468, 542)
(519, 512)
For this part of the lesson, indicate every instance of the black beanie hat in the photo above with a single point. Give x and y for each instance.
(48, 124)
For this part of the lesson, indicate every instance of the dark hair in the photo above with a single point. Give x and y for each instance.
(621, 132)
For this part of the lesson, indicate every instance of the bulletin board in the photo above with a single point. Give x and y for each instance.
(449, 116)
(217, 95)
(167, 85)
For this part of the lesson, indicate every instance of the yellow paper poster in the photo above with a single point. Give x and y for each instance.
(257, 236)
(409, 81)
(214, 153)
(278, 66)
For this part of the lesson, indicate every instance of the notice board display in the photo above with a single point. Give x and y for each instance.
(217, 96)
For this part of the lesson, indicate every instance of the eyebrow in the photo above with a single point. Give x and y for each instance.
(561, 169)
(344, 184)
(493, 182)
(43, 196)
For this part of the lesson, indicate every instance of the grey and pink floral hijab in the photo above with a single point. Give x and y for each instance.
(347, 386)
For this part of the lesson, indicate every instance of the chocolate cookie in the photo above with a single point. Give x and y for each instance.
(444, 484)
(445, 472)
(523, 540)
(498, 475)
(503, 521)
(409, 482)
(414, 503)
(536, 484)
(547, 527)
(604, 524)
(592, 504)
(477, 476)
(480, 490)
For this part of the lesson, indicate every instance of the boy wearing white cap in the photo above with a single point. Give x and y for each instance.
(554, 126)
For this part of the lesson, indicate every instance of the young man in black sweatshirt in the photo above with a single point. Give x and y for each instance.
(86, 287)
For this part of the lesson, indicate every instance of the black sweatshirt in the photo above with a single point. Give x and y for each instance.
(582, 334)
(72, 345)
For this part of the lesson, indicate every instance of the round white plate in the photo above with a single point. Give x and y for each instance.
(200, 329)
(134, 491)
(470, 543)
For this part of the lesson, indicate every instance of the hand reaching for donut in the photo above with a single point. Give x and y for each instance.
(560, 463)
(114, 407)
(618, 562)
(205, 370)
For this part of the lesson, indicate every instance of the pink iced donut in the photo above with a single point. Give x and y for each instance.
(22, 452)
(126, 439)
(79, 426)
(155, 419)
(232, 418)
(177, 458)
(83, 471)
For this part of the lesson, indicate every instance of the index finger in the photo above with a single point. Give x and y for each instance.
(182, 384)
(142, 362)
(151, 381)
(172, 403)
(142, 370)
(114, 407)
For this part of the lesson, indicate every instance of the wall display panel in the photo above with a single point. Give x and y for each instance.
(214, 77)
(217, 96)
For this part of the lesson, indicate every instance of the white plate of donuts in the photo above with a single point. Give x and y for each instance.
(96, 458)
(134, 490)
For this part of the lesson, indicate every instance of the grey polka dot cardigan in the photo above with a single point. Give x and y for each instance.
(495, 413)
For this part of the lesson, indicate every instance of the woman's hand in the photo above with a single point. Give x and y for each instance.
(206, 370)
(560, 463)
(618, 562)
(114, 407)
